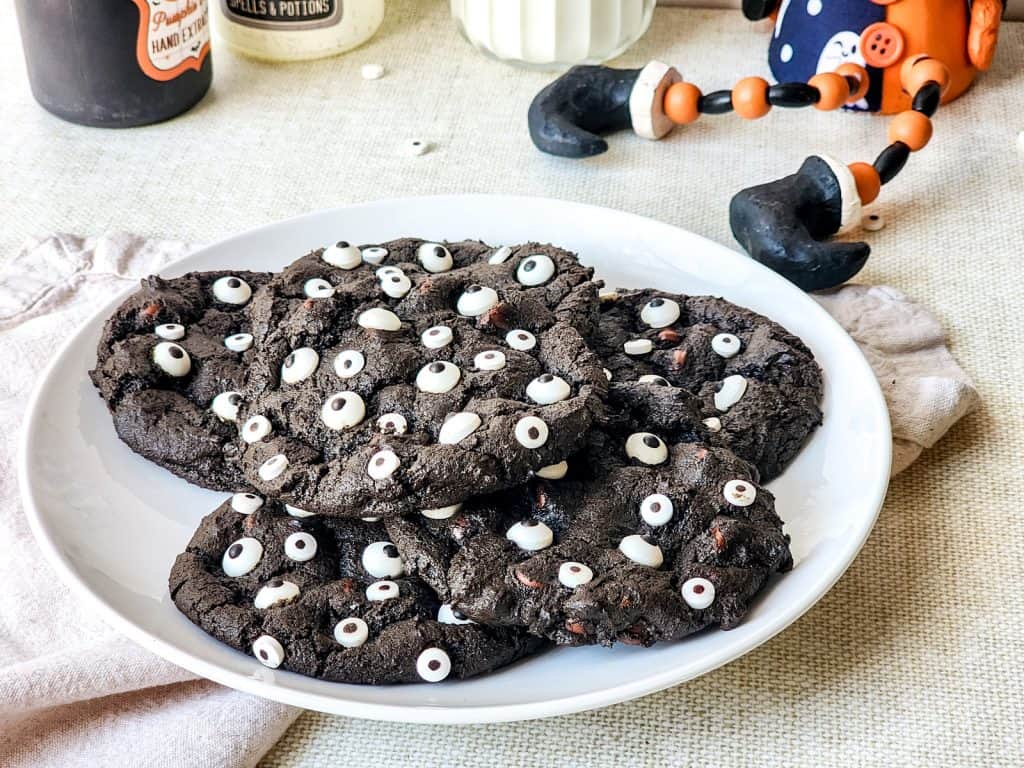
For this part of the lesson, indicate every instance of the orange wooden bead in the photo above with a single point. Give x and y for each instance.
(912, 128)
(868, 182)
(923, 70)
(750, 98)
(908, 64)
(681, 103)
(833, 90)
(861, 74)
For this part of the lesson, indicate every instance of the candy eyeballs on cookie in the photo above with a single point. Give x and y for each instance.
(299, 365)
(659, 312)
(433, 665)
(434, 257)
(726, 345)
(172, 359)
(457, 427)
(268, 651)
(642, 550)
(379, 319)
(273, 468)
(531, 432)
(476, 300)
(246, 503)
(342, 255)
(395, 284)
(730, 392)
(646, 448)
(438, 377)
(343, 410)
(739, 493)
(655, 379)
(530, 535)
(380, 591)
(437, 337)
(547, 389)
(274, 593)
(375, 254)
(392, 424)
(170, 331)
(242, 556)
(491, 360)
(535, 270)
(318, 288)
(232, 290)
(349, 363)
(441, 513)
(225, 405)
(351, 632)
(300, 547)
(698, 593)
(521, 340)
(656, 509)
(574, 575)
(382, 560)
(448, 615)
(255, 429)
(239, 342)
(382, 465)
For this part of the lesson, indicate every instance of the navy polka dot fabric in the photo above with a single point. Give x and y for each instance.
(813, 36)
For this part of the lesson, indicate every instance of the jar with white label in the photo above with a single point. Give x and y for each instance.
(549, 34)
(295, 30)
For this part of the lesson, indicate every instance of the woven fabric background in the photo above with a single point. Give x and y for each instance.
(914, 658)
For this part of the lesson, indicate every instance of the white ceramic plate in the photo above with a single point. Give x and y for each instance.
(111, 523)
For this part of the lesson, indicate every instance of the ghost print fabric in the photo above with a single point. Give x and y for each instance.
(813, 36)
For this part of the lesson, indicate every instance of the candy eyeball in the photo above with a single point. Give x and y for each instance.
(172, 359)
(635, 347)
(491, 360)
(531, 432)
(382, 464)
(273, 468)
(242, 556)
(531, 535)
(535, 270)
(500, 256)
(239, 342)
(725, 345)
(342, 410)
(392, 424)
(656, 509)
(641, 550)
(396, 284)
(351, 632)
(438, 377)
(448, 615)
(659, 312)
(374, 254)
(297, 511)
(170, 331)
(299, 365)
(300, 547)
(547, 389)
(379, 319)
(318, 288)
(574, 575)
(380, 591)
(390, 269)
(246, 503)
(655, 379)
(433, 665)
(231, 290)
(521, 340)
(441, 513)
(457, 427)
(553, 471)
(342, 255)
(225, 405)
(268, 651)
(382, 561)
(476, 300)
(255, 429)
(698, 593)
(739, 493)
(349, 363)
(730, 392)
(434, 257)
(713, 423)
(274, 593)
(437, 337)
(646, 448)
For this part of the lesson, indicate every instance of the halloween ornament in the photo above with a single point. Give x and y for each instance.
(901, 57)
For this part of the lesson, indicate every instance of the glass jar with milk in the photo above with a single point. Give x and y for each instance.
(549, 34)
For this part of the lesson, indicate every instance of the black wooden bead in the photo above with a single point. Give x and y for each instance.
(891, 161)
(715, 103)
(793, 95)
(926, 100)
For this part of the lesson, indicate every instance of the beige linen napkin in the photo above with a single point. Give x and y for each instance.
(74, 693)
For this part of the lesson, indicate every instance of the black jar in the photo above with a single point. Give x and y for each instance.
(116, 63)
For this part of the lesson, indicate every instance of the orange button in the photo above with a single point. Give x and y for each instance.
(881, 44)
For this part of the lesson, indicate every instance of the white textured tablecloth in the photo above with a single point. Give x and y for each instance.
(914, 657)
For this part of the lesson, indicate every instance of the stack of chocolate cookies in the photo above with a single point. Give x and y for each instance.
(446, 456)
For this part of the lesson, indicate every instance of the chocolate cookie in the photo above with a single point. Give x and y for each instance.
(327, 598)
(758, 386)
(389, 390)
(171, 364)
(681, 539)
